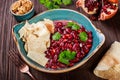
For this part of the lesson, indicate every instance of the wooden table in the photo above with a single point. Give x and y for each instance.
(8, 71)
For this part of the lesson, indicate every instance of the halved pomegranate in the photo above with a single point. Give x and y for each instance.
(108, 10)
(104, 9)
(89, 6)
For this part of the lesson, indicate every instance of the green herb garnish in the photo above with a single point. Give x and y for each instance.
(70, 24)
(83, 36)
(66, 2)
(49, 5)
(56, 36)
(59, 2)
(62, 58)
(53, 4)
(73, 25)
(66, 56)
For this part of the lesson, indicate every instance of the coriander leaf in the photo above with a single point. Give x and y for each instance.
(59, 2)
(70, 55)
(62, 55)
(83, 36)
(64, 61)
(56, 36)
(49, 5)
(67, 2)
(56, 6)
(53, 4)
(65, 56)
(62, 58)
(42, 1)
(75, 27)
(70, 24)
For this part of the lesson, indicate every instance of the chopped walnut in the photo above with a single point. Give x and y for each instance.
(21, 6)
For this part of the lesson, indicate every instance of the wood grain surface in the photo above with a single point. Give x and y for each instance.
(8, 71)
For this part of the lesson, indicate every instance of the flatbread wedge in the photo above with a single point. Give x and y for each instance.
(109, 66)
(37, 39)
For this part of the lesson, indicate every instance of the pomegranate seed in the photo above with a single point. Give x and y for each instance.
(108, 12)
(60, 30)
(79, 31)
(89, 45)
(78, 54)
(61, 65)
(54, 67)
(57, 50)
(86, 50)
(90, 34)
(80, 45)
(71, 64)
(64, 40)
(62, 44)
(70, 46)
(70, 37)
(75, 46)
(59, 24)
(64, 32)
(68, 30)
(74, 34)
(113, 7)
(75, 41)
(55, 59)
(89, 40)
(75, 60)
(83, 29)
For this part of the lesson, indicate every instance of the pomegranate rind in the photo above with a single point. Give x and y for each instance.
(79, 3)
(104, 16)
(113, 1)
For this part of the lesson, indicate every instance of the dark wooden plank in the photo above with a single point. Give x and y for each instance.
(8, 71)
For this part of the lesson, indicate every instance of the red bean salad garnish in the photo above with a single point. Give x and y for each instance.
(69, 44)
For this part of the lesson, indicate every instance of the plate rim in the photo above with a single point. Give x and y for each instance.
(99, 33)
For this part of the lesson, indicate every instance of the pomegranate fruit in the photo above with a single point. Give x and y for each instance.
(100, 9)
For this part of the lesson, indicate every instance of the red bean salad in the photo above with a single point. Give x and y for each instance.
(70, 43)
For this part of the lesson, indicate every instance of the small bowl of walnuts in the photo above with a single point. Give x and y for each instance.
(22, 10)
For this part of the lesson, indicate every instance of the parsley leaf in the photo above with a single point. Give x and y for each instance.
(83, 36)
(66, 2)
(56, 36)
(62, 58)
(42, 1)
(59, 2)
(53, 4)
(56, 6)
(70, 24)
(70, 55)
(65, 56)
(49, 5)
(73, 25)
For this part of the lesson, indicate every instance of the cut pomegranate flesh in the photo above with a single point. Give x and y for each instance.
(91, 4)
(69, 41)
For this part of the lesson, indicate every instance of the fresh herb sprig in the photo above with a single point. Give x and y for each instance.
(73, 25)
(56, 36)
(65, 56)
(83, 36)
(53, 4)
